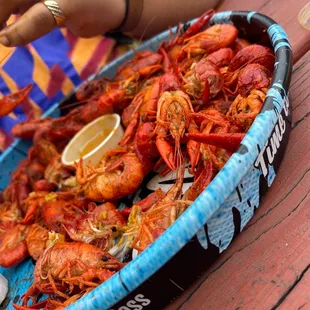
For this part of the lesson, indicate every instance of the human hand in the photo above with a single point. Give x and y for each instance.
(83, 18)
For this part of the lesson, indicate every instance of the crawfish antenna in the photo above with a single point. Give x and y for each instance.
(145, 29)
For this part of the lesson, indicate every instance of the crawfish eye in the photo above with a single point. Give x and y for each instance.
(104, 258)
(113, 229)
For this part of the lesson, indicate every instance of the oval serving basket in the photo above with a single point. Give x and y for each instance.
(179, 256)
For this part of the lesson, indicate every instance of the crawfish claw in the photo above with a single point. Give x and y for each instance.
(227, 141)
(166, 152)
(193, 152)
(9, 102)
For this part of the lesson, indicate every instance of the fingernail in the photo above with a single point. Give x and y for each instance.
(5, 41)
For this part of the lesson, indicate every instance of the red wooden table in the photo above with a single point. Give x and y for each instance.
(267, 265)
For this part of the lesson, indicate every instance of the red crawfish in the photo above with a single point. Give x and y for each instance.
(253, 53)
(146, 102)
(98, 226)
(203, 177)
(219, 136)
(90, 88)
(253, 76)
(245, 109)
(239, 44)
(119, 178)
(67, 267)
(13, 246)
(9, 102)
(173, 118)
(128, 80)
(145, 146)
(10, 215)
(174, 46)
(153, 222)
(204, 81)
(208, 41)
(221, 58)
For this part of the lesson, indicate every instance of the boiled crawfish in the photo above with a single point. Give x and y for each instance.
(204, 81)
(128, 81)
(219, 136)
(99, 225)
(252, 54)
(10, 215)
(37, 240)
(245, 109)
(203, 177)
(208, 41)
(9, 102)
(67, 266)
(159, 217)
(173, 113)
(120, 178)
(13, 246)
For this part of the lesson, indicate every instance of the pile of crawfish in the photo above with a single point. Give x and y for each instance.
(186, 106)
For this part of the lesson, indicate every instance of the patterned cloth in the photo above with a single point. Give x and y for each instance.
(55, 64)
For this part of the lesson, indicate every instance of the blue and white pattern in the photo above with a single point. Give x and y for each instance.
(222, 18)
(271, 175)
(278, 100)
(249, 16)
(276, 33)
(236, 187)
(245, 198)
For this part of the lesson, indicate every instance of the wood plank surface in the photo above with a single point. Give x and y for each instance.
(259, 275)
(299, 298)
(267, 262)
(283, 12)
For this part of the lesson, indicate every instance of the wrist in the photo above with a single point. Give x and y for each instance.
(120, 9)
(132, 12)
